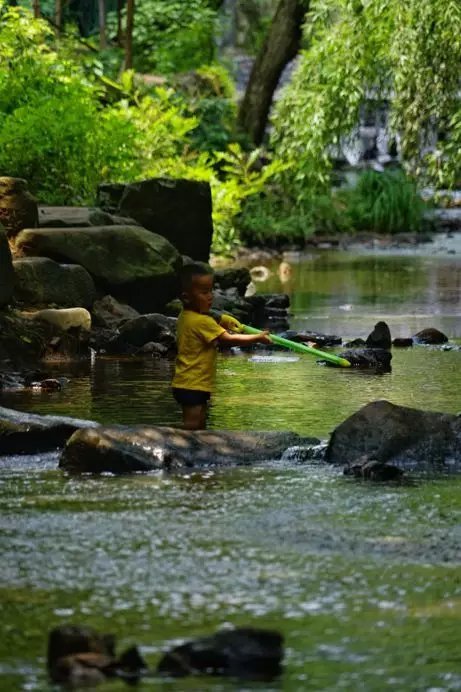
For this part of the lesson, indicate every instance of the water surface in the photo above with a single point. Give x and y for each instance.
(364, 581)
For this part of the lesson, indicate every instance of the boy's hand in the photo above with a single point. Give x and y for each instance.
(230, 323)
(265, 337)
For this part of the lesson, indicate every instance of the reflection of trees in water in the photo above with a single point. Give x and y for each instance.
(329, 280)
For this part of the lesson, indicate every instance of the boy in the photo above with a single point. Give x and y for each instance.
(198, 337)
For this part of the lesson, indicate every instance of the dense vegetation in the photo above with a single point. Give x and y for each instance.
(71, 117)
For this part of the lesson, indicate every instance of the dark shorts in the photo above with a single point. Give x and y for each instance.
(190, 397)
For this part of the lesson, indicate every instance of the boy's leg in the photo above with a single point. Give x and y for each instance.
(194, 417)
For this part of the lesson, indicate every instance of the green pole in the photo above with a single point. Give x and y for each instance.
(300, 348)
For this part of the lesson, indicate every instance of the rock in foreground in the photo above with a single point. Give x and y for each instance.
(408, 438)
(245, 652)
(28, 433)
(120, 449)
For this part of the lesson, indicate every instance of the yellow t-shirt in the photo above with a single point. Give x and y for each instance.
(196, 359)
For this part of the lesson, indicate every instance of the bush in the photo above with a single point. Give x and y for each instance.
(275, 219)
(384, 202)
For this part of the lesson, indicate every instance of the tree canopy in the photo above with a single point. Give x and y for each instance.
(407, 54)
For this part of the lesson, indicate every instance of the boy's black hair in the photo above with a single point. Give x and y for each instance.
(193, 269)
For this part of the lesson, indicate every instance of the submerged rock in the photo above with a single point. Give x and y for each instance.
(430, 336)
(245, 653)
(120, 449)
(81, 656)
(378, 359)
(406, 437)
(28, 433)
(403, 342)
(372, 470)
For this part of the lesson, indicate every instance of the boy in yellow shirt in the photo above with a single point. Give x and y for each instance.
(198, 335)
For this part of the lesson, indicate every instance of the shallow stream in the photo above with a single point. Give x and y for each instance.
(364, 581)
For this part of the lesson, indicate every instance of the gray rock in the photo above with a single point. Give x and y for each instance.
(180, 210)
(402, 342)
(238, 278)
(79, 217)
(18, 208)
(378, 359)
(129, 262)
(27, 433)
(41, 281)
(380, 337)
(144, 448)
(110, 314)
(408, 438)
(245, 653)
(6, 270)
(144, 329)
(430, 335)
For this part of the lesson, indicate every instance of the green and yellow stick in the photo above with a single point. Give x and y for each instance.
(300, 348)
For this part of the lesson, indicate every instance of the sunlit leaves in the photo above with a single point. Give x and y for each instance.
(406, 52)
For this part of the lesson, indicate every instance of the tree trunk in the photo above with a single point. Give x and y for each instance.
(119, 22)
(281, 45)
(58, 8)
(129, 34)
(36, 8)
(102, 24)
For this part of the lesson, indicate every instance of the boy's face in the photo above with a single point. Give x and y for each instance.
(199, 295)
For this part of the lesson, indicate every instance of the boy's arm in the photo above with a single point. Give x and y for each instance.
(240, 339)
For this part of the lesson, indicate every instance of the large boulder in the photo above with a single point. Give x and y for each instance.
(129, 262)
(179, 210)
(143, 448)
(6, 270)
(79, 217)
(28, 433)
(41, 281)
(18, 209)
(408, 438)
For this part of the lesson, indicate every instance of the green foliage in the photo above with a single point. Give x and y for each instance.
(273, 219)
(384, 202)
(64, 147)
(426, 55)
(406, 52)
(67, 126)
(241, 178)
(209, 96)
(55, 132)
(172, 35)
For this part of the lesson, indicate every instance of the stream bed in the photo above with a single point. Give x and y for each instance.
(364, 581)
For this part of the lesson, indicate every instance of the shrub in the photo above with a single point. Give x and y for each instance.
(384, 202)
